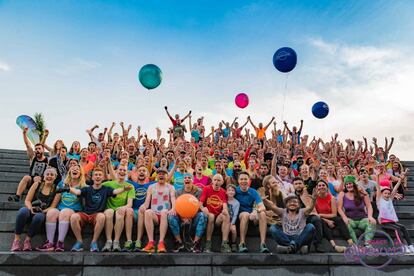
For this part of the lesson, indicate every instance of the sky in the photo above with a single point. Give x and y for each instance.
(77, 62)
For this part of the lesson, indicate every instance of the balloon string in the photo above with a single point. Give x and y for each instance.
(284, 96)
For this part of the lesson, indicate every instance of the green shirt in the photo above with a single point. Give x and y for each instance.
(122, 198)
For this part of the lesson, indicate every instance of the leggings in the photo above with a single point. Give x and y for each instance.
(363, 225)
(340, 224)
(24, 216)
(400, 229)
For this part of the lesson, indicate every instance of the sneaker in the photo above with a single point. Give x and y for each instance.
(225, 247)
(107, 247)
(207, 248)
(149, 248)
(128, 246)
(197, 247)
(411, 247)
(27, 246)
(60, 247)
(137, 246)
(13, 198)
(116, 247)
(234, 248)
(243, 248)
(161, 247)
(77, 247)
(16, 246)
(339, 249)
(263, 248)
(48, 246)
(94, 247)
(304, 249)
(178, 246)
(282, 249)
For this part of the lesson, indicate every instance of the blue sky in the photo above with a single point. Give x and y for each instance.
(77, 62)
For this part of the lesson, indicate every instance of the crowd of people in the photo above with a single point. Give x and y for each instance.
(275, 179)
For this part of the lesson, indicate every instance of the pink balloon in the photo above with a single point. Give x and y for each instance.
(241, 100)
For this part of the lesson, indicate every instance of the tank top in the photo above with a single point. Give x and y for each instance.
(45, 199)
(323, 205)
(352, 211)
(160, 200)
(385, 180)
(386, 211)
(37, 167)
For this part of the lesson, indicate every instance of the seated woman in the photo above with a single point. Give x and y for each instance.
(387, 216)
(272, 192)
(37, 203)
(328, 211)
(356, 210)
(63, 206)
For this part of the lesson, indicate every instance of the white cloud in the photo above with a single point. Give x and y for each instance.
(4, 67)
(78, 65)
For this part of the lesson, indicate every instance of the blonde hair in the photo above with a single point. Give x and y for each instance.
(81, 181)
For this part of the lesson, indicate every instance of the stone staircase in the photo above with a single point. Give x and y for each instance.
(14, 164)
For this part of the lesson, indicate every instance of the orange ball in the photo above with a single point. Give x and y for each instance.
(187, 206)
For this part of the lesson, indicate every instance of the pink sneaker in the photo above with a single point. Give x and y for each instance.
(27, 246)
(60, 247)
(16, 246)
(48, 246)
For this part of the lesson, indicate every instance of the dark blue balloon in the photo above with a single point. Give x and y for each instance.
(285, 59)
(320, 110)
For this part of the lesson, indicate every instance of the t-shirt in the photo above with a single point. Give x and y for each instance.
(196, 135)
(120, 199)
(68, 200)
(293, 226)
(256, 183)
(309, 184)
(261, 132)
(247, 199)
(226, 132)
(213, 200)
(234, 207)
(369, 188)
(178, 180)
(140, 193)
(195, 191)
(207, 172)
(201, 182)
(116, 164)
(95, 200)
(73, 156)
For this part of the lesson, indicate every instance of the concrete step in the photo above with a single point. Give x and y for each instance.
(14, 156)
(9, 187)
(404, 209)
(16, 162)
(12, 176)
(14, 168)
(404, 202)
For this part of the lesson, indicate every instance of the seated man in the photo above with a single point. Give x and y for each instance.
(159, 202)
(95, 202)
(248, 198)
(141, 187)
(295, 234)
(214, 205)
(199, 221)
(38, 165)
(119, 207)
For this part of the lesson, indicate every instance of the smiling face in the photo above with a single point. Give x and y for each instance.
(122, 172)
(142, 173)
(244, 182)
(322, 188)
(188, 180)
(349, 186)
(298, 186)
(292, 204)
(230, 192)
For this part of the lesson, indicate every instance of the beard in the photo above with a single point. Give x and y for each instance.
(299, 191)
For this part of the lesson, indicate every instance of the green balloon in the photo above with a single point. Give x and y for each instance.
(150, 76)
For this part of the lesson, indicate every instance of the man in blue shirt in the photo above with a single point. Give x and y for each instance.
(251, 209)
(141, 188)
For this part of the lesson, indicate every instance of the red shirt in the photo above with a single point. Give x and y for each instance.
(323, 205)
(213, 200)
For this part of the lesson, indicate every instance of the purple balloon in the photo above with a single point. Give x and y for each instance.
(242, 100)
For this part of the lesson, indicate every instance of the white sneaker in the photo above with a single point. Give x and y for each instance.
(411, 247)
(408, 250)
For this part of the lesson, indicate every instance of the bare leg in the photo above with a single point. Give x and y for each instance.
(244, 220)
(210, 226)
(109, 223)
(129, 221)
(262, 226)
(150, 218)
(163, 224)
(99, 225)
(140, 224)
(119, 222)
(75, 225)
(23, 185)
